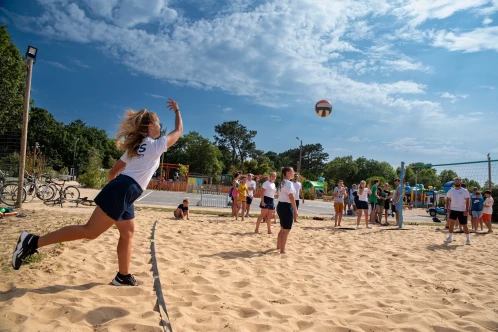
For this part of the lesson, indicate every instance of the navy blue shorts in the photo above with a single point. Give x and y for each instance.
(297, 204)
(270, 205)
(285, 213)
(117, 197)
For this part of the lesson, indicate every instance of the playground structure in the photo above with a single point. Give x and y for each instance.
(166, 180)
(316, 188)
(425, 198)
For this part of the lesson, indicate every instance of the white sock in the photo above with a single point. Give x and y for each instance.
(468, 236)
(450, 237)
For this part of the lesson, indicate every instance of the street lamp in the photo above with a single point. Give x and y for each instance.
(74, 157)
(30, 59)
(300, 155)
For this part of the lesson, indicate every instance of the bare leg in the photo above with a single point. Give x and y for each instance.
(126, 230)
(358, 218)
(243, 208)
(261, 217)
(279, 239)
(366, 217)
(98, 223)
(283, 240)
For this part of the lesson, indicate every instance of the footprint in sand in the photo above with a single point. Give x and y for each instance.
(104, 314)
(15, 317)
(304, 309)
(247, 312)
(241, 284)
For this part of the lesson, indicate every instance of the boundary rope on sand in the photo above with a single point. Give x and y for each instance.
(163, 313)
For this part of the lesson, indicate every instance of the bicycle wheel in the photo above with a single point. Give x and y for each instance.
(71, 192)
(30, 192)
(45, 192)
(8, 194)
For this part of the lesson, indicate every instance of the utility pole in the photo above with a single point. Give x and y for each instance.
(300, 155)
(489, 173)
(30, 57)
(74, 158)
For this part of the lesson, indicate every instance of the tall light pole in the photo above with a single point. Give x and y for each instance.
(74, 157)
(300, 155)
(30, 60)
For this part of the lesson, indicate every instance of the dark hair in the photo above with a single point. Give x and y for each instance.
(376, 181)
(283, 173)
(478, 193)
(464, 185)
(397, 179)
(488, 192)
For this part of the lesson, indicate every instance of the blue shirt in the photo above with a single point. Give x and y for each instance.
(477, 204)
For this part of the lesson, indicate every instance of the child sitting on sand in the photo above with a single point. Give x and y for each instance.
(181, 211)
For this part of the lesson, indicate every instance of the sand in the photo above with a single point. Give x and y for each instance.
(217, 275)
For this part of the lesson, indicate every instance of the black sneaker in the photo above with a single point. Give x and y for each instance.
(25, 247)
(124, 280)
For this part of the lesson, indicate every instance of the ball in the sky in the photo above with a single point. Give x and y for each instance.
(323, 108)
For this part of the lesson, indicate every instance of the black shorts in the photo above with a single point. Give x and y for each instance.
(297, 203)
(248, 200)
(285, 213)
(117, 197)
(270, 205)
(362, 205)
(458, 215)
(374, 206)
(393, 208)
(387, 205)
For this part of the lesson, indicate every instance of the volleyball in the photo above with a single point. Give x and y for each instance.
(323, 108)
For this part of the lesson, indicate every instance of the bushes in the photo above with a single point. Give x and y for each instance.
(306, 194)
(94, 179)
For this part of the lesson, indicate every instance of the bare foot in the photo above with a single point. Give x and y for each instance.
(282, 252)
(269, 233)
(256, 231)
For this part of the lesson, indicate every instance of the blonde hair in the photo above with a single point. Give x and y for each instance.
(133, 129)
(362, 187)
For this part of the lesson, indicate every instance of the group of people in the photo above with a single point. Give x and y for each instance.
(460, 204)
(373, 202)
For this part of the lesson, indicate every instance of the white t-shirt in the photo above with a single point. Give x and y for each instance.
(285, 190)
(142, 167)
(363, 197)
(341, 191)
(297, 186)
(488, 205)
(270, 189)
(458, 199)
(252, 186)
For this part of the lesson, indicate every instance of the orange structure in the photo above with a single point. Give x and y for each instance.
(162, 181)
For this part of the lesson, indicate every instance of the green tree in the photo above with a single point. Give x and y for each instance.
(471, 184)
(428, 177)
(94, 176)
(341, 168)
(446, 176)
(235, 140)
(12, 83)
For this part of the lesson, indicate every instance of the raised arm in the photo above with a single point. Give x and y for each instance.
(178, 131)
(118, 167)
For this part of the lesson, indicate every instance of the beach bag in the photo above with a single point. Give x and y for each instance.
(230, 193)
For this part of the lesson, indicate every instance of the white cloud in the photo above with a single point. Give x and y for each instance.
(414, 145)
(79, 63)
(452, 97)
(356, 139)
(476, 113)
(56, 65)
(476, 40)
(487, 21)
(489, 87)
(227, 109)
(155, 96)
(276, 117)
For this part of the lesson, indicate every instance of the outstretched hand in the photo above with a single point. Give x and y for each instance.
(172, 105)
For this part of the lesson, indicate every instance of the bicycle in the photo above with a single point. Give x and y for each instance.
(9, 190)
(65, 193)
(35, 188)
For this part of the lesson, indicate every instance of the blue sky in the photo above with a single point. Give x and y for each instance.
(412, 80)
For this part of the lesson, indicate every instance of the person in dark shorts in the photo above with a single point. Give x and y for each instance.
(387, 202)
(458, 207)
(286, 207)
(137, 137)
(181, 211)
(267, 205)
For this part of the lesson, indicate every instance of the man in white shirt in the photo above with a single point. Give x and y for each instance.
(458, 206)
(251, 184)
(299, 191)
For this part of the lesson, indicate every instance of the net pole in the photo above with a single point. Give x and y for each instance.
(489, 173)
(399, 206)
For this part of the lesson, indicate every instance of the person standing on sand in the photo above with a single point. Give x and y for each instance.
(251, 184)
(299, 192)
(267, 206)
(242, 197)
(362, 204)
(127, 179)
(458, 207)
(286, 207)
(340, 192)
